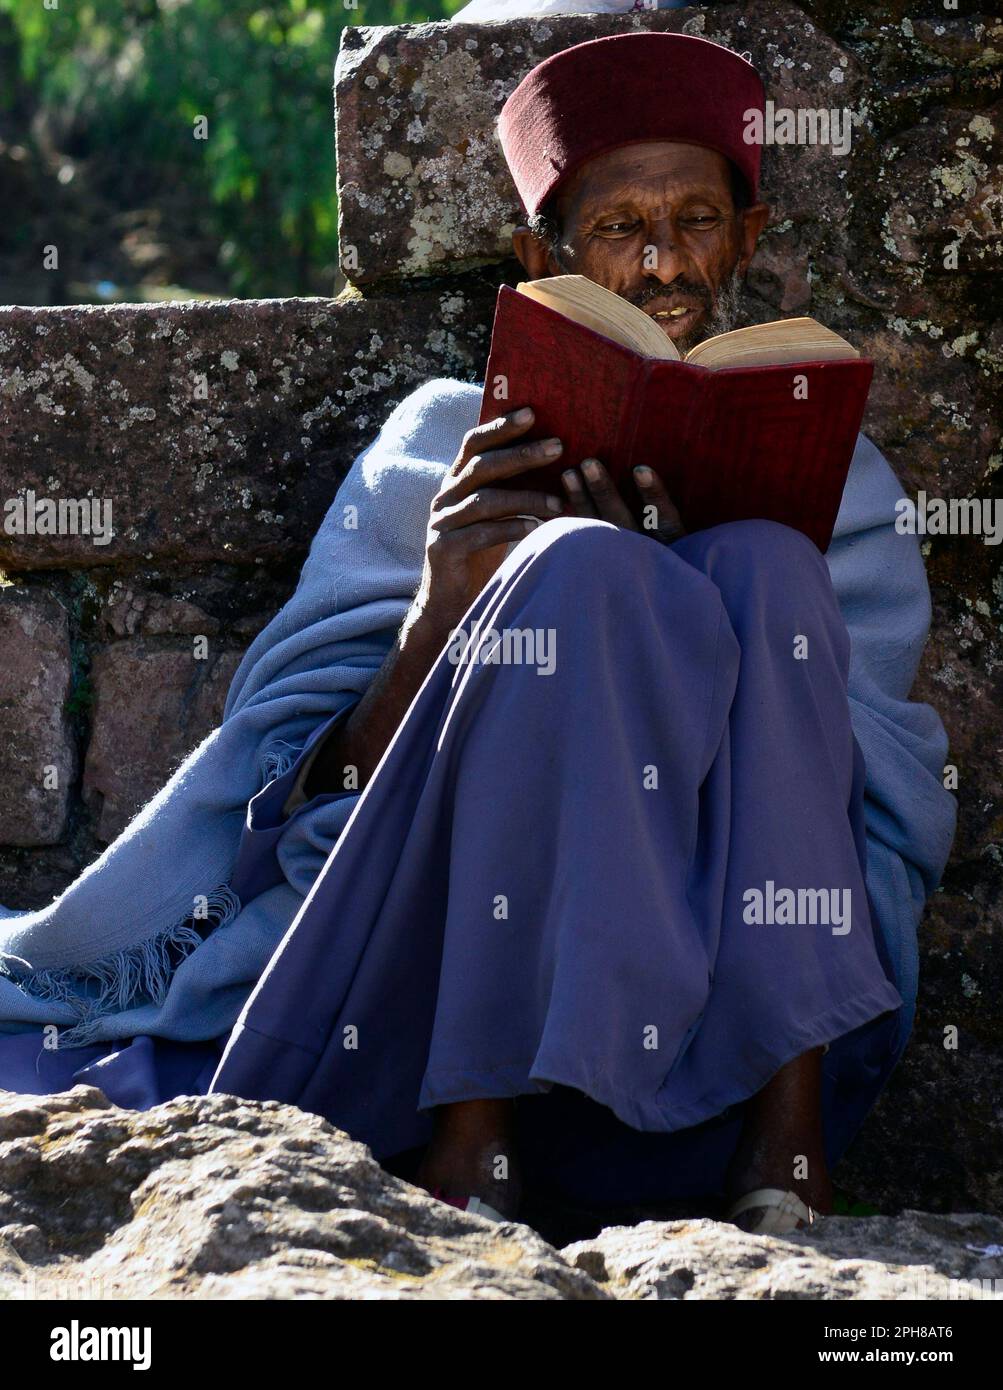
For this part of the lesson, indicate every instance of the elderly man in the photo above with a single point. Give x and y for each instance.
(526, 949)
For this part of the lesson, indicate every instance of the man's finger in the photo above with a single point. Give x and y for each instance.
(494, 433)
(491, 503)
(666, 522)
(580, 502)
(609, 504)
(485, 535)
(494, 465)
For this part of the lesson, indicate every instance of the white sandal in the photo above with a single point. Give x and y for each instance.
(783, 1212)
(480, 1208)
(472, 1204)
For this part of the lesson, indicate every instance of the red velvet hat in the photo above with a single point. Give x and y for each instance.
(595, 96)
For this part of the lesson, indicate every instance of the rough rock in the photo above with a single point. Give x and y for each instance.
(901, 1159)
(131, 610)
(35, 735)
(217, 1198)
(916, 1256)
(213, 1197)
(945, 191)
(153, 705)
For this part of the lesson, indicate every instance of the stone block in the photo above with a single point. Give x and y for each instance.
(422, 181)
(215, 431)
(35, 732)
(153, 704)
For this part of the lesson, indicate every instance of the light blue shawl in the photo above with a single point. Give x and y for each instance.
(121, 953)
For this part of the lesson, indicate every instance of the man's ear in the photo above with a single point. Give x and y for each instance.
(535, 256)
(754, 220)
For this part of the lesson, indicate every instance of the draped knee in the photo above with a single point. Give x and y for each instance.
(770, 574)
(632, 629)
(735, 548)
(596, 562)
(577, 543)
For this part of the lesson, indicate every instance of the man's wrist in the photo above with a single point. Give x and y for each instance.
(426, 626)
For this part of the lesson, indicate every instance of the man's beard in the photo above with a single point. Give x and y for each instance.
(723, 316)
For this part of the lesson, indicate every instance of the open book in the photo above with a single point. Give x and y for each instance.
(759, 422)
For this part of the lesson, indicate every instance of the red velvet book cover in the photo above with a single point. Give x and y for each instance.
(733, 444)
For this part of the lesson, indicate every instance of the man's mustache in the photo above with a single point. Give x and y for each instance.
(686, 287)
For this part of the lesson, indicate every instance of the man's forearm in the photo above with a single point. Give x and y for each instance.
(363, 738)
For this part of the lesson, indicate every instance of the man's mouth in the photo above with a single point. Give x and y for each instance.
(675, 320)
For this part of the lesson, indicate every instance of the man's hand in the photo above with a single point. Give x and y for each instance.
(592, 493)
(474, 516)
(471, 521)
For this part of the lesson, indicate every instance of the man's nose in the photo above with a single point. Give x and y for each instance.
(663, 259)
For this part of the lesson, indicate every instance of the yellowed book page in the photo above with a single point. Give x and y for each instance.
(595, 307)
(772, 344)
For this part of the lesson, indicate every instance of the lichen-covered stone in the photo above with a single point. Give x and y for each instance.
(35, 735)
(916, 1256)
(422, 181)
(945, 192)
(200, 423)
(130, 610)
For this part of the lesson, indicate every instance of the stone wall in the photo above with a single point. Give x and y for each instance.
(220, 431)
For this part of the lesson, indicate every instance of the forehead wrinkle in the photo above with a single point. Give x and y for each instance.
(636, 191)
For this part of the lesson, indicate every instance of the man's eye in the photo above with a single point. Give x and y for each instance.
(617, 228)
(707, 219)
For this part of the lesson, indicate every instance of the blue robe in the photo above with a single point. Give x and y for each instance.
(546, 881)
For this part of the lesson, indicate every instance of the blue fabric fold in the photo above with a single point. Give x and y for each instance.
(257, 867)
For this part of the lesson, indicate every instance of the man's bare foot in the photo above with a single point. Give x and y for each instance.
(782, 1145)
(473, 1154)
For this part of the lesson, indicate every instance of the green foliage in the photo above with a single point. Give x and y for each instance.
(134, 75)
(844, 1204)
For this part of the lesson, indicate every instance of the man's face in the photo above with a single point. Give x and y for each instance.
(655, 223)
